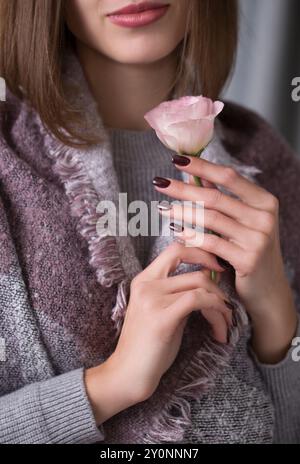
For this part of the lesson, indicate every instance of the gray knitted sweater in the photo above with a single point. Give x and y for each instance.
(62, 289)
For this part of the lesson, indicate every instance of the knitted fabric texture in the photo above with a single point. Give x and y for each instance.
(65, 287)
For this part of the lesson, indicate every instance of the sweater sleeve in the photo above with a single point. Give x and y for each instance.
(283, 382)
(53, 411)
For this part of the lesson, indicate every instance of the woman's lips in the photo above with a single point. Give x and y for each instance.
(139, 19)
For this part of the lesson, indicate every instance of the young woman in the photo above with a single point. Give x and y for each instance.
(125, 339)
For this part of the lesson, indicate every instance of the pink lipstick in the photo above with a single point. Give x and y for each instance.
(138, 15)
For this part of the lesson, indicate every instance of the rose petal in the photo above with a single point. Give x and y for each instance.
(218, 107)
(192, 136)
(168, 140)
(185, 124)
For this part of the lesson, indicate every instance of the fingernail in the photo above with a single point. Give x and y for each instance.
(180, 160)
(228, 338)
(223, 263)
(161, 182)
(164, 206)
(229, 305)
(176, 227)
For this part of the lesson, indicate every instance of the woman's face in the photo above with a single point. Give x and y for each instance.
(133, 39)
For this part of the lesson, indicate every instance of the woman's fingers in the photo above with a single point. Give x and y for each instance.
(204, 182)
(218, 325)
(211, 307)
(226, 310)
(209, 219)
(189, 281)
(252, 194)
(211, 243)
(211, 198)
(175, 254)
(169, 299)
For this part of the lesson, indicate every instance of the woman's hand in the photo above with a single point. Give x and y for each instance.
(151, 335)
(248, 239)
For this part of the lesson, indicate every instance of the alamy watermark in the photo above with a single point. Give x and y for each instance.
(139, 218)
(296, 89)
(296, 350)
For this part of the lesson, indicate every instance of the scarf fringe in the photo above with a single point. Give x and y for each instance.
(198, 377)
(118, 311)
(103, 251)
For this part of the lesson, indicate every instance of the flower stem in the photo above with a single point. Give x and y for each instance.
(198, 182)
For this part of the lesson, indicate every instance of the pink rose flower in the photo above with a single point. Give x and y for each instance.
(185, 125)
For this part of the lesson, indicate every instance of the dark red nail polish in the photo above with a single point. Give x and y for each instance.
(180, 160)
(164, 206)
(176, 227)
(161, 182)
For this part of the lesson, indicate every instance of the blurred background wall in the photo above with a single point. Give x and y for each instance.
(268, 60)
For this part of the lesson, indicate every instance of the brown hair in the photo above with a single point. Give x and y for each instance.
(33, 34)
